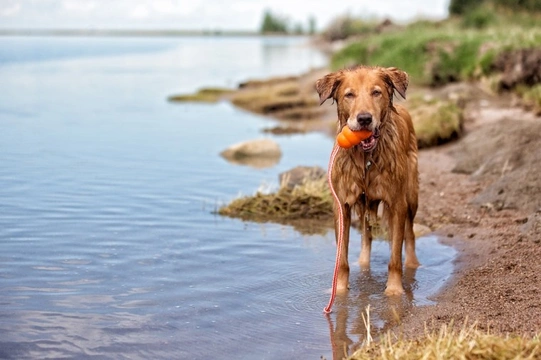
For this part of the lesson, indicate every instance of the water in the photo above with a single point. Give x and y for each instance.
(109, 247)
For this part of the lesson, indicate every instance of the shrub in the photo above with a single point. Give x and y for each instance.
(461, 7)
(273, 23)
(346, 26)
(479, 18)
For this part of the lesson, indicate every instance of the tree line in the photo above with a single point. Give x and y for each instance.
(278, 24)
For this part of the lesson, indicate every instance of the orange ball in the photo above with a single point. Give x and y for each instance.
(348, 138)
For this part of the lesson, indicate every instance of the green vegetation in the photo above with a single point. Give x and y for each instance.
(462, 7)
(346, 26)
(458, 49)
(466, 343)
(437, 54)
(279, 24)
(274, 23)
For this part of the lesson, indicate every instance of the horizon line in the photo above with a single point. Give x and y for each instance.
(135, 32)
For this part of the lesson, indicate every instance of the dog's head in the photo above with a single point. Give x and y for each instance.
(364, 96)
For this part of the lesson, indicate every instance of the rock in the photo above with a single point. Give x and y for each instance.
(300, 174)
(259, 153)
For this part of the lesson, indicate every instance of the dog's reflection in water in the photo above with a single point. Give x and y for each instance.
(348, 325)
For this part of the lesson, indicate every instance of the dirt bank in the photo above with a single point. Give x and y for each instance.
(482, 194)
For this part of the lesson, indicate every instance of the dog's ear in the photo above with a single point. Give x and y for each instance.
(400, 80)
(326, 86)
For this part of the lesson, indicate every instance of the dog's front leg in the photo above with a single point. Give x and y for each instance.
(396, 225)
(342, 239)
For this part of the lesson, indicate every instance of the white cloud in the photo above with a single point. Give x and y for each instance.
(166, 6)
(139, 12)
(10, 9)
(199, 14)
(81, 6)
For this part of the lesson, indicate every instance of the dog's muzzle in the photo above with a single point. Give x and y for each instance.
(370, 143)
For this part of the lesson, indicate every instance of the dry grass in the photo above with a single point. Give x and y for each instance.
(531, 97)
(310, 200)
(203, 95)
(436, 121)
(448, 343)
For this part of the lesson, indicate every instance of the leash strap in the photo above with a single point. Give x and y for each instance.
(339, 241)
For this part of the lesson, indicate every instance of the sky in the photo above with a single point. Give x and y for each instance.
(243, 15)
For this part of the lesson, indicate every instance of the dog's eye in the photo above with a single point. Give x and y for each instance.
(350, 95)
(376, 92)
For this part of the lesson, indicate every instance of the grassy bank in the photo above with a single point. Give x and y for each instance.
(457, 49)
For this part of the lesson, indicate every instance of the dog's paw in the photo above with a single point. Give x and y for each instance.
(412, 264)
(394, 290)
(342, 288)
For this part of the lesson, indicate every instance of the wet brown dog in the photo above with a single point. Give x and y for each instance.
(382, 168)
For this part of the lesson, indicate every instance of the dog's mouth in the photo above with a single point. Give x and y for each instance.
(370, 143)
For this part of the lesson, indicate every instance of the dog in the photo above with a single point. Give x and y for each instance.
(381, 169)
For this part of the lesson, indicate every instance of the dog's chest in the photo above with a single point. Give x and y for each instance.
(361, 178)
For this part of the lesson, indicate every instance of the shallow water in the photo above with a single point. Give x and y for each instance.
(109, 247)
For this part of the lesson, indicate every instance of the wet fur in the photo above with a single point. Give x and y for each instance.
(392, 176)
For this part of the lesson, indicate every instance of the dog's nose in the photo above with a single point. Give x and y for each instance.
(364, 119)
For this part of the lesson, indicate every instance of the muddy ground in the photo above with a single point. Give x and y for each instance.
(481, 194)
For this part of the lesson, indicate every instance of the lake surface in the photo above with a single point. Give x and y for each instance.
(109, 245)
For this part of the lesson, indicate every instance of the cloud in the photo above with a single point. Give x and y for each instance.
(80, 6)
(199, 14)
(11, 8)
(140, 12)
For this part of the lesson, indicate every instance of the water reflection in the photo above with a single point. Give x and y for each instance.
(349, 330)
(348, 321)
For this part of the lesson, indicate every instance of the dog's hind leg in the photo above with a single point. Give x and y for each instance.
(397, 222)
(367, 217)
(411, 260)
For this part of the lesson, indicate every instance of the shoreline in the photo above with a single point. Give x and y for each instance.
(140, 33)
(473, 211)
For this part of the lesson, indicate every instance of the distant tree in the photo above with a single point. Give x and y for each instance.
(273, 23)
(312, 25)
(298, 29)
(527, 5)
(345, 26)
(461, 7)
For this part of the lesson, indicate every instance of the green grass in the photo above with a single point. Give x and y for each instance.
(438, 53)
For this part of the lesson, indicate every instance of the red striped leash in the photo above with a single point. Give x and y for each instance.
(328, 308)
